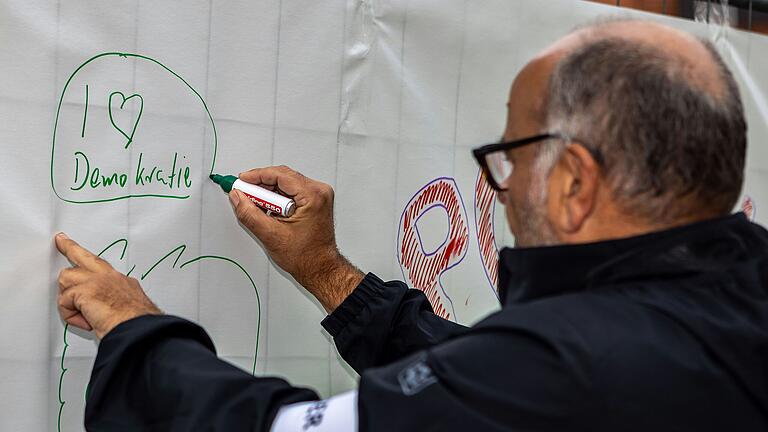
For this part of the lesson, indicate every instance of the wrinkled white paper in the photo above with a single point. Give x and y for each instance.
(378, 98)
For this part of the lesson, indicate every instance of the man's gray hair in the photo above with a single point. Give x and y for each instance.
(670, 147)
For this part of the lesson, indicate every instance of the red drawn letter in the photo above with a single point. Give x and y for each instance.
(485, 203)
(422, 269)
(748, 207)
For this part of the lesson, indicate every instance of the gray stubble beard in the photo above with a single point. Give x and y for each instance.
(535, 228)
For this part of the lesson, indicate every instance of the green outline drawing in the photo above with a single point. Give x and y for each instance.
(64, 370)
(180, 249)
(138, 117)
(58, 112)
(61, 377)
(255, 290)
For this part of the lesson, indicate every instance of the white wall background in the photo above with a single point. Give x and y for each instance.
(376, 97)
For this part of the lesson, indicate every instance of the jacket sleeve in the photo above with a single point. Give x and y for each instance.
(162, 373)
(384, 321)
(489, 379)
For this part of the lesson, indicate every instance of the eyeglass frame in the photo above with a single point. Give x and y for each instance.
(481, 152)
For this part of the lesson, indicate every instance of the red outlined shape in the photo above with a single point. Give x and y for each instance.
(485, 205)
(422, 270)
(749, 208)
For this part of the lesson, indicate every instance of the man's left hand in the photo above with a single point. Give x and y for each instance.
(95, 296)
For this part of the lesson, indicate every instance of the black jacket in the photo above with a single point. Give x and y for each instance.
(661, 332)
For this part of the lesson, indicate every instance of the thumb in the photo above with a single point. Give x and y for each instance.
(250, 215)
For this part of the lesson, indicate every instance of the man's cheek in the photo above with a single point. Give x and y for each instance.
(515, 209)
(511, 218)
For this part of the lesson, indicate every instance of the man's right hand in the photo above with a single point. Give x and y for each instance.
(304, 244)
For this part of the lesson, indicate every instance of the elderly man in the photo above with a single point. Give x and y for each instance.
(633, 301)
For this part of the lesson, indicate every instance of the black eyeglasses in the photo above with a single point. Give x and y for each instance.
(497, 168)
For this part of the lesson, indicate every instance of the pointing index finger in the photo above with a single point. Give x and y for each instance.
(76, 254)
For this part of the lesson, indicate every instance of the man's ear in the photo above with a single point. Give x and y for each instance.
(573, 189)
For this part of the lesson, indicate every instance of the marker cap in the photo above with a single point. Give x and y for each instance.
(290, 208)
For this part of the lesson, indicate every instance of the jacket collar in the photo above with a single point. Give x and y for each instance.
(527, 274)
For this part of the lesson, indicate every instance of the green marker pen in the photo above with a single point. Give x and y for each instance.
(264, 198)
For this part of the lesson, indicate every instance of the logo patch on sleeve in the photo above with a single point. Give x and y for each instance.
(314, 415)
(415, 378)
(337, 414)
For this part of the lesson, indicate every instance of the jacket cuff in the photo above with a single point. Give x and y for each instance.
(368, 289)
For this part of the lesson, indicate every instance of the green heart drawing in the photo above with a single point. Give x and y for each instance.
(122, 104)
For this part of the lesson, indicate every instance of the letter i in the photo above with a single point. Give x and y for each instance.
(85, 112)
